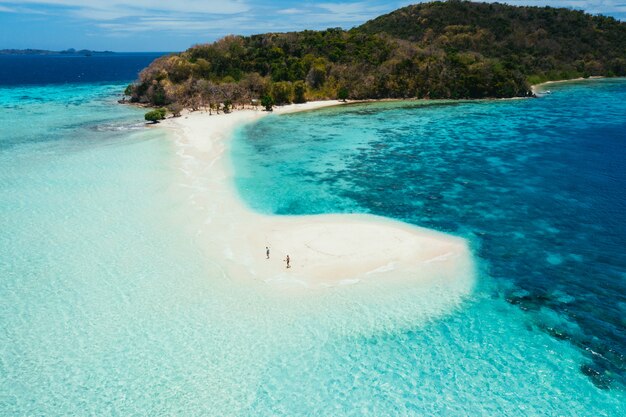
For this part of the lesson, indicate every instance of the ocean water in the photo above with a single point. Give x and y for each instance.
(108, 305)
(62, 69)
(537, 186)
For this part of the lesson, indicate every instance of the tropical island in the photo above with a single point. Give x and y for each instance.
(440, 50)
(398, 257)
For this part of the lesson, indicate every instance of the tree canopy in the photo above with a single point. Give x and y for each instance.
(454, 49)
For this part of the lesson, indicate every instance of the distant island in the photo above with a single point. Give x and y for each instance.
(445, 50)
(71, 51)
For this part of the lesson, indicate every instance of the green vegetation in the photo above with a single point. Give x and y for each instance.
(227, 106)
(267, 102)
(155, 115)
(299, 92)
(454, 49)
(281, 92)
(343, 94)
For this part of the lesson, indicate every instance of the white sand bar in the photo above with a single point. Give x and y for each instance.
(325, 250)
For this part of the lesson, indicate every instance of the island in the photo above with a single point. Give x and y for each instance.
(70, 52)
(440, 50)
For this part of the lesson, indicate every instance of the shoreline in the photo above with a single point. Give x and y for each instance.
(537, 88)
(328, 250)
(283, 109)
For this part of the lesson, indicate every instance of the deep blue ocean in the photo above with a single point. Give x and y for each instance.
(110, 306)
(62, 69)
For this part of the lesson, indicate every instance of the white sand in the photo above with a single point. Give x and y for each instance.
(325, 250)
(539, 88)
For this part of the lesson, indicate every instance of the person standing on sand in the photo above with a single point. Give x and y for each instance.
(288, 266)
(267, 252)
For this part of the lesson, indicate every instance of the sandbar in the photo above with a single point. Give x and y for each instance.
(326, 251)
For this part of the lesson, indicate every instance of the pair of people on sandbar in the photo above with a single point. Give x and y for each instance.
(267, 256)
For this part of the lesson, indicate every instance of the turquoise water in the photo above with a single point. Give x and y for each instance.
(109, 307)
(537, 186)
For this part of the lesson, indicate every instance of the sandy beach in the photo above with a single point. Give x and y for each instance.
(325, 250)
(539, 88)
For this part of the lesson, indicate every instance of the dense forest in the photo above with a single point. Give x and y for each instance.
(454, 49)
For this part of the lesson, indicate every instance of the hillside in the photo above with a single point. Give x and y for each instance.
(454, 49)
(543, 43)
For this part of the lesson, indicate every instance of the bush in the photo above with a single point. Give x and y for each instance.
(299, 91)
(282, 92)
(267, 102)
(228, 105)
(155, 115)
(342, 94)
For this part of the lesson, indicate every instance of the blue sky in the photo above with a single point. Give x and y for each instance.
(173, 25)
